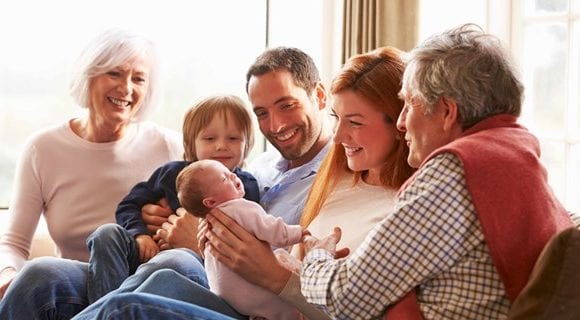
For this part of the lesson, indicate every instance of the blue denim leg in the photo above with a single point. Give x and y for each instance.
(46, 288)
(183, 261)
(145, 306)
(114, 256)
(170, 284)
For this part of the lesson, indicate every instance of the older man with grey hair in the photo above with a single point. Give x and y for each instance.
(470, 224)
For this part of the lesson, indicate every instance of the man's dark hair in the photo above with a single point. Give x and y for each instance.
(295, 61)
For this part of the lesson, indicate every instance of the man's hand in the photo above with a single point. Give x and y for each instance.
(327, 243)
(179, 231)
(287, 260)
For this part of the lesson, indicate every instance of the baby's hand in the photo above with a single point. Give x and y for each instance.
(147, 247)
(305, 233)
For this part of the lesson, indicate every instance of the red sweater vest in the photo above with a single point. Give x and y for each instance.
(515, 206)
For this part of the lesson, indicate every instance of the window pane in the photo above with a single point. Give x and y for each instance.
(545, 69)
(545, 7)
(304, 36)
(553, 155)
(440, 15)
(576, 6)
(575, 81)
(205, 48)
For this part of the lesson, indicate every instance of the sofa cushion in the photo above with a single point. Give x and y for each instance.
(553, 291)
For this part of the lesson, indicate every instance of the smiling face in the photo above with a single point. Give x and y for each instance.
(362, 130)
(288, 117)
(424, 132)
(221, 140)
(116, 95)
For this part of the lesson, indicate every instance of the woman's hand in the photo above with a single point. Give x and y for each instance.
(202, 229)
(155, 214)
(240, 251)
(6, 277)
(179, 231)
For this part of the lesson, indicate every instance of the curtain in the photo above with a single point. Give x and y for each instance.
(369, 24)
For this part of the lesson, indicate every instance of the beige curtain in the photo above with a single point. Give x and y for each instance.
(369, 24)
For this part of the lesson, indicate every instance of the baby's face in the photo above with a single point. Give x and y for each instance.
(223, 185)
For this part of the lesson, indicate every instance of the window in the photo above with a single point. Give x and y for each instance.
(205, 47)
(437, 16)
(547, 42)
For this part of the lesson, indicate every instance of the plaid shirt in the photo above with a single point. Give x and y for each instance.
(433, 241)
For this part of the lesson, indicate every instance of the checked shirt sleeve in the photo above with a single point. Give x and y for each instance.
(434, 226)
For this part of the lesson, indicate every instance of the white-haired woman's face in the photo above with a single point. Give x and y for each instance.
(117, 95)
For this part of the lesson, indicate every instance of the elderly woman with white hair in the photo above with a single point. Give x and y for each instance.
(75, 173)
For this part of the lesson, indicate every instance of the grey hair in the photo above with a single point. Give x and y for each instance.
(468, 66)
(107, 51)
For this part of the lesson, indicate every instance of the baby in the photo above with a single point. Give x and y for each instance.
(208, 184)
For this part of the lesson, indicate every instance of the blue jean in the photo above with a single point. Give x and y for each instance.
(172, 289)
(114, 256)
(143, 306)
(53, 288)
(46, 288)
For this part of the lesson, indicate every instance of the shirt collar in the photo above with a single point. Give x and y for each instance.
(306, 169)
